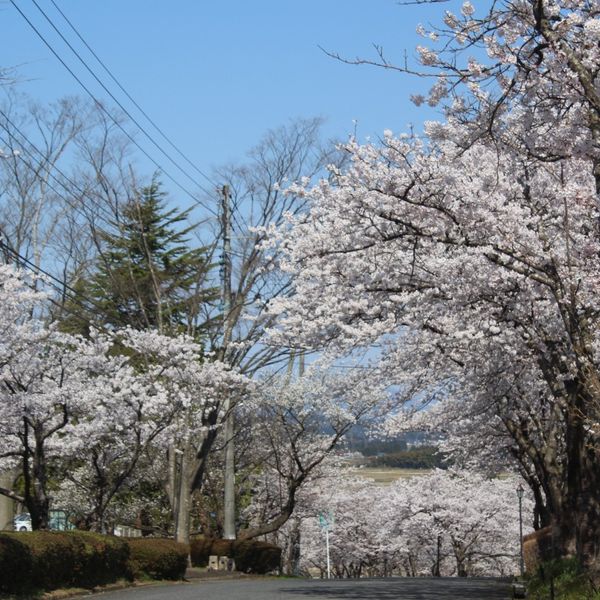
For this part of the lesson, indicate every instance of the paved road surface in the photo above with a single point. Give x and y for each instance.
(299, 589)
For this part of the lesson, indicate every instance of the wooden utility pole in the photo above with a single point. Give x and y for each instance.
(229, 493)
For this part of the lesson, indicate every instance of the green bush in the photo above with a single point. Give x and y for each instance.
(15, 565)
(53, 559)
(251, 556)
(200, 550)
(157, 558)
(101, 559)
(223, 548)
(47, 560)
(567, 579)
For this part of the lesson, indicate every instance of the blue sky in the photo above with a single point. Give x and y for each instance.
(216, 75)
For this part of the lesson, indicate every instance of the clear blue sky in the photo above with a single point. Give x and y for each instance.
(215, 75)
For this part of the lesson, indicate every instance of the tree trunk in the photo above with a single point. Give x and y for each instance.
(459, 555)
(579, 520)
(293, 555)
(36, 497)
(438, 558)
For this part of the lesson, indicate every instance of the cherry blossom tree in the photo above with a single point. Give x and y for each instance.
(89, 408)
(141, 396)
(443, 523)
(299, 425)
(42, 388)
(471, 254)
(459, 523)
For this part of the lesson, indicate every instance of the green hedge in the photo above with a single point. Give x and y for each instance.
(256, 557)
(157, 558)
(15, 565)
(48, 560)
(251, 556)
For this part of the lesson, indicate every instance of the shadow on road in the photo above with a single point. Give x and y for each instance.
(404, 589)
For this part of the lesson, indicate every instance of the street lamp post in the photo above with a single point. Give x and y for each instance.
(520, 492)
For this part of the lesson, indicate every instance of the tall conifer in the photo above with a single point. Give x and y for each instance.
(146, 274)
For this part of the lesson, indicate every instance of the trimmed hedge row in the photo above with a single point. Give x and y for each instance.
(157, 558)
(47, 560)
(251, 556)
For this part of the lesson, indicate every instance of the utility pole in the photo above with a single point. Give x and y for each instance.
(7, 509)
(520, 493)
(229, 493)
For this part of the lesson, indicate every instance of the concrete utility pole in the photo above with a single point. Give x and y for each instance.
(520, 493)
(229, 494)
(7, 509)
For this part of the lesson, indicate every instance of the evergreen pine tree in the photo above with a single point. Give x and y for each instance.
(146, 276)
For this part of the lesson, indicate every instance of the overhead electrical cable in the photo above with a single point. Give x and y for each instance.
(24, 148)
(111, 117)
(131, 99)
(108, 216)
(107, 90)
(59, 194)
(60, 286)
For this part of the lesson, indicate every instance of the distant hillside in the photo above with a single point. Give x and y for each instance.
(358, 440)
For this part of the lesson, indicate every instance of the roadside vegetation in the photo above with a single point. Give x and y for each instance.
(561, 579)
(35, 562)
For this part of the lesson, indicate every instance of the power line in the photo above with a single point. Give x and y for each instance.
(24, 148)
(109, 115)
(108, 216)
(61, 286)
(120, 86)
(72, 205)
(105, 88)
(46, 167)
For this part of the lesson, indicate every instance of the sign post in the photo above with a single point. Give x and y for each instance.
(326, 524)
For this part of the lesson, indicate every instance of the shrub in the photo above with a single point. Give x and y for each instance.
(251, 556)
(157, 558)
(223, 548)
(537, 548)
(566, 580)
(15, 565)
(53, 558)
(47, 560)
(200, 550)
(101, 559)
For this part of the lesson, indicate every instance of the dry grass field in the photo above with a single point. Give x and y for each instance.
(387, 475)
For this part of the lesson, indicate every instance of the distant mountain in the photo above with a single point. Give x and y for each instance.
(359, 440)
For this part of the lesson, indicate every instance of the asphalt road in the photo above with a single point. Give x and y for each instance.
(299, 589)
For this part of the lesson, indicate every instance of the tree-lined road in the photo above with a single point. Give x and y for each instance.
(348, 589)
